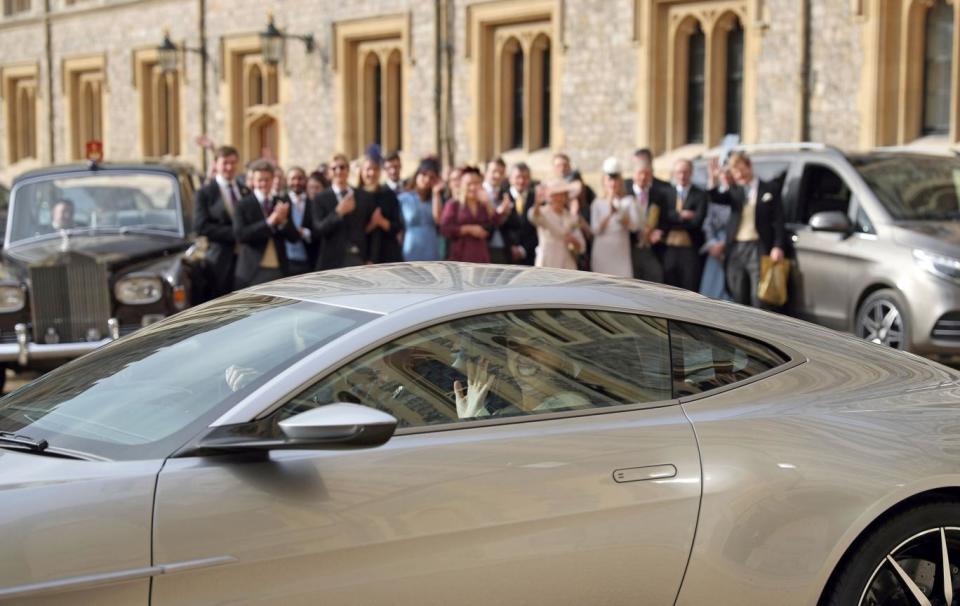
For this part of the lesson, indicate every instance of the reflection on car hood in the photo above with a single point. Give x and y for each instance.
(106, 248)
(942, 237)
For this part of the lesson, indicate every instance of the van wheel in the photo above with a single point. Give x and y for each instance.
(912, 558)
(882, 319)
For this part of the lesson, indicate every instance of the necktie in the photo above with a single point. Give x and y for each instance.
(231, 200)
(681, 197)
(521, 202)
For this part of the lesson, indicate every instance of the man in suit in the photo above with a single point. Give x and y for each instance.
(495, 187)
(302, 254)
(392, 168)
(681, 228)
(756, 226)
(261, 226)
(522, 232)
(341, 215)
(650, 199)
(214, 207)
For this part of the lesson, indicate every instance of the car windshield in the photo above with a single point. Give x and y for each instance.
(147, 394)
(103, 200)
(913, 187)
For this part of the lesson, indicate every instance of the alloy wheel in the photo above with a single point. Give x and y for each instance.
(881, 322)
(921, 571)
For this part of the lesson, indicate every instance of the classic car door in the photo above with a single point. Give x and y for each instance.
(576, 481)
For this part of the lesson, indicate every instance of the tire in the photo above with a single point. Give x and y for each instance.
(912, 538)
(873, 321)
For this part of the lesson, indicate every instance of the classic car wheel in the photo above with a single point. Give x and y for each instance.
(904, 561)
(882, 319)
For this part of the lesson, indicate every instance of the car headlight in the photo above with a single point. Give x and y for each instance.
(938, 265)
(12, 299)
(138, 290)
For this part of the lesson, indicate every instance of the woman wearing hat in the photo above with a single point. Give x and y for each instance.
(558, 226)
(421, 210)
(611, 223)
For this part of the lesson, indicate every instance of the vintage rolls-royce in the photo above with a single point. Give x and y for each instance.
(93, 252)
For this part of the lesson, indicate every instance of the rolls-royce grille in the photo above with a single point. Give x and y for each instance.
(947, 327)
(70, 301)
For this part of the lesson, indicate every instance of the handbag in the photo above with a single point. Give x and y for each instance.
(772, 289)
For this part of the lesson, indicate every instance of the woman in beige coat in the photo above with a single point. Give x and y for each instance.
(558, 226)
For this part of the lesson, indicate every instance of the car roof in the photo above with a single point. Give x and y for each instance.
(390, 287)
(167, 166)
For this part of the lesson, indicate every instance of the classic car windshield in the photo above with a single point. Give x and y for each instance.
(913, 187)
(104, 200)
(147, 394)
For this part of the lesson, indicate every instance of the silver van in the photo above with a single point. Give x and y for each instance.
(875, 238)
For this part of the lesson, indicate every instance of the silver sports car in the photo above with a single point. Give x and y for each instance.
(457, 434)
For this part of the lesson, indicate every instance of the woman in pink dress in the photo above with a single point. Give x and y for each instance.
(466, 223)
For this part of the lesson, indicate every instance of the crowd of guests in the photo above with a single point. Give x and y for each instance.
(270, 223)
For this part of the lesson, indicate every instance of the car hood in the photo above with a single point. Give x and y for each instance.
(941, 237)
(111, 249)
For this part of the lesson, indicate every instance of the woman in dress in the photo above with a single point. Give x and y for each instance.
(386, 216)
(558, 226)
(713, 282)
(466, 222)
(611, 223)
(421, 208)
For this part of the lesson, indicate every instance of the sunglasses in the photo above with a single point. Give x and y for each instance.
(337, 167)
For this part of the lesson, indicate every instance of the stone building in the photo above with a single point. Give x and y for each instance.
(471, 79)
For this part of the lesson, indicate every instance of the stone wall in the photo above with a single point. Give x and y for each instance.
(597, 114)
(836, 61)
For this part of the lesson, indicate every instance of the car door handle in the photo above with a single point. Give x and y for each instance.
(641, 474)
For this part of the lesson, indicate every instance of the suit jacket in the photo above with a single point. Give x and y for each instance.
(338, 233)
(768, 217)
(391, 250)
(252, 233)
(213, 221)
(522, 232)
(696, 201)
(659, 195)
(313, 246)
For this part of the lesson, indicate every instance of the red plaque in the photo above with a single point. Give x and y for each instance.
(94, 150)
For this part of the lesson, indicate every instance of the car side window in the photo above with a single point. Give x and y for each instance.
(822, 190)
(508, 364)
(705, 358)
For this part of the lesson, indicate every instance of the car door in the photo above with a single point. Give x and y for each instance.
(822, 257)
(563, 473)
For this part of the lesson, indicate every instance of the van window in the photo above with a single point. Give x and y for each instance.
(822, 190)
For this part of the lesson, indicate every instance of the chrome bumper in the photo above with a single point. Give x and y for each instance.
(13, 352)
(23, 350)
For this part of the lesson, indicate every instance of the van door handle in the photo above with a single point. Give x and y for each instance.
(641, 474)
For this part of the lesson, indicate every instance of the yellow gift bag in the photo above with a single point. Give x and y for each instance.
(773, 281)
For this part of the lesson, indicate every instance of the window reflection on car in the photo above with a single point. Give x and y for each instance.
(144, 395)
(508, 364)
(913, 187)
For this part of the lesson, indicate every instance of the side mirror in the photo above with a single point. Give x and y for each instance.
(831, 221)
(345, 424)
(329, 427)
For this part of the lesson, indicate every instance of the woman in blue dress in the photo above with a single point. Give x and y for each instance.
(713, 283)
(421, 208)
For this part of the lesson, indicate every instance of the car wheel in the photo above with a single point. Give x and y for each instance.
(904, 561)
(882, 319)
